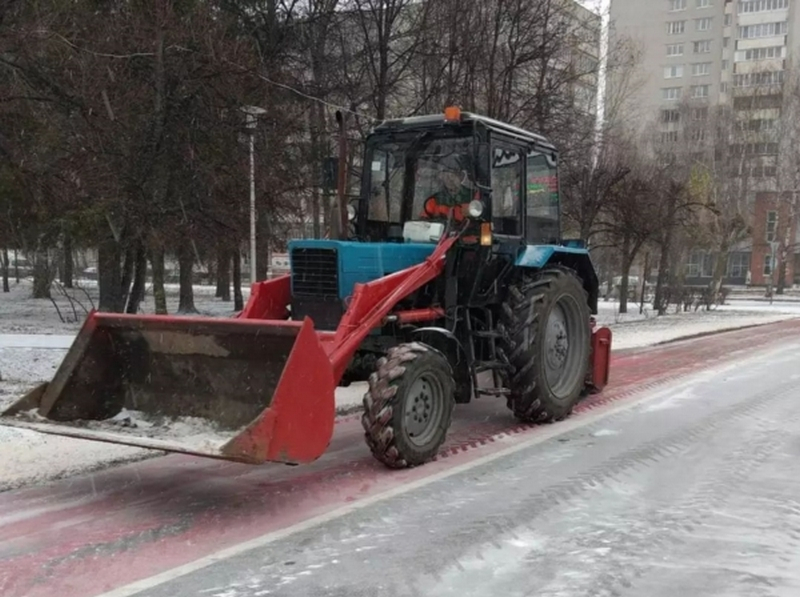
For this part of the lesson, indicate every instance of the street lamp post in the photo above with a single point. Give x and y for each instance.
(252, 114)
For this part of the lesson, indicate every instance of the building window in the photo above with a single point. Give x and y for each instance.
(728, 19)
(751, 149)
(725, 64)
(725, 41)
(700, 113)
(758, 79)
(762, 5)
(673, 72)
(757, 102)
(703, 3)
(671, 93)
(768, 264)
(763, 30)
(703, 24)
(700, 90)
(756, 54)
(738, 264)
(701, 68)
(723, 87)
(677, 5)
(669, 137)
(763, 171)
(670, 116)
(676, 27)
(761, 124)
(772, 224)
(700, 265)
(675, 50)
(702, 47)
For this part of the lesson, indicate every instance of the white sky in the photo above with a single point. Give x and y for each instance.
(595, 5)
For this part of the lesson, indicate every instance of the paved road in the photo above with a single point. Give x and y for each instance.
(678, 480)
(693, 492)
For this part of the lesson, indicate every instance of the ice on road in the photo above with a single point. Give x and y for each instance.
(697, 496)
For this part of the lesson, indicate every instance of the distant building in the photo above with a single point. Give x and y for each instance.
(732, 53)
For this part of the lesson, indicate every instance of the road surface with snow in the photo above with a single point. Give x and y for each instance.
(687, 493)
(676, 480)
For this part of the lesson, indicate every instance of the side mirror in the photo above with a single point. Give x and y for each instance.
(351, 212)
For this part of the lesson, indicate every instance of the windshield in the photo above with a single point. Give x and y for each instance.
(406, 174)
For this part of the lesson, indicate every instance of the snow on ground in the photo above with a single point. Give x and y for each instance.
(635, 330)
(21, 314)
(191, 433)
(28, 357)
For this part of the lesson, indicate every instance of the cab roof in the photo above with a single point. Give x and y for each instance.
(466, 118)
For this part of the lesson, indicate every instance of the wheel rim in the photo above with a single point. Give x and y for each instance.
(423, 409)
(562, 347)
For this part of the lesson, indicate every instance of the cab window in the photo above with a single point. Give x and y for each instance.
(506, 190)
(541, 212)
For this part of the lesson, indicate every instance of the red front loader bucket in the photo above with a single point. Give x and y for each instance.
(239, 389)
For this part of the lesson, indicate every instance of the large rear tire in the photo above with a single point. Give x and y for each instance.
(546, 339)
(409, 405)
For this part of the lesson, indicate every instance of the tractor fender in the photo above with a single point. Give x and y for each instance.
(537, 257)
(446, 342)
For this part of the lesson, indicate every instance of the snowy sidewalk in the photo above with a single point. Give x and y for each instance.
(47, 341)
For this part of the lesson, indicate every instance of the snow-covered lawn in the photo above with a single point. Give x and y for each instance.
(34, 340)
(21, 314)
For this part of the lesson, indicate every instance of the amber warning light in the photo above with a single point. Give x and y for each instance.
(452, 114)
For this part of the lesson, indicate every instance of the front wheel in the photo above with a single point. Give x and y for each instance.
(546, 339)
(409, 405)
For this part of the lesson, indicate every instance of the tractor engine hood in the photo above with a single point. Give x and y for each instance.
(330, 269)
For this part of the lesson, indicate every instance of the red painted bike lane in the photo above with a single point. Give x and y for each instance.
(87, 535)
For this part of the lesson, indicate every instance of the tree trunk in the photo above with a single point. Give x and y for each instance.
(109, 277)
(262, 249)
(159, 294)
(67, 274)
(139, 279)
(41, 274)
(127, 275)
(782, 262)
(645, 276)
(223, 275)
(627, 261)
(720, 267)
(663, 266)
(659, 303)
(5, 263)
(238, 301)
(16, 266)
(185, 266)
(315, 213)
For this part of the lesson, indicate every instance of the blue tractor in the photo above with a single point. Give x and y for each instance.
(509, 313)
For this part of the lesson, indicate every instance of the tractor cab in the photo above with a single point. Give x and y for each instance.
(422, 172)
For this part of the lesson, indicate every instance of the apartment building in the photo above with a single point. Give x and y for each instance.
(706, 49)
(710, 53)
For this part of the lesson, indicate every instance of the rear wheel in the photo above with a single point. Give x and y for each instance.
(546, 340)
(409, 405)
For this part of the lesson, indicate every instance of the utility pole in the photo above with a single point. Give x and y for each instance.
(252, 112)
(342, 171)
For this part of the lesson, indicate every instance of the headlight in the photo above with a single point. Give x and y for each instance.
(351, 212)
(475, 209)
